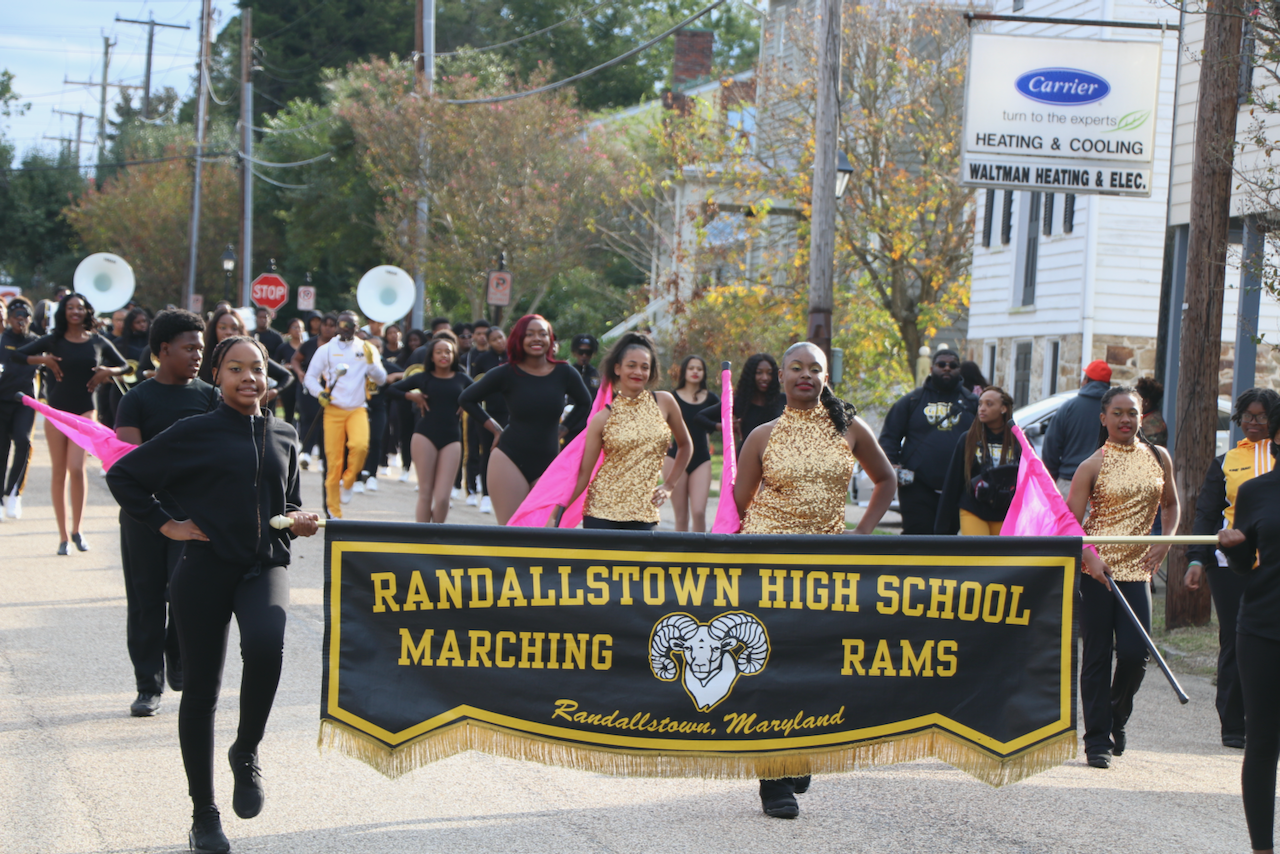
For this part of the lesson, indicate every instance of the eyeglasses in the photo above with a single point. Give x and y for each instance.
(951, 365)
(1250, 418)
(584, 352)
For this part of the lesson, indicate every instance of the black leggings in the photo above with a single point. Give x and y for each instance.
(204, 593)
(1259, 662)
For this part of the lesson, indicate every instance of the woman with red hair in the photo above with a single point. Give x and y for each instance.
(534, 384)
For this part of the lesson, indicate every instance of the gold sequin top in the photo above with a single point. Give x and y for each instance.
(635, 441)
(806, 470)
(1125, 499)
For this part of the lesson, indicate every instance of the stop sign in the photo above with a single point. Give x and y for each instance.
(269, 291)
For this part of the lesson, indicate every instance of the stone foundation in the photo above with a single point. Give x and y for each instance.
(1130, 358)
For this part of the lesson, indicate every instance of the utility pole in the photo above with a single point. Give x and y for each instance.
(822, 235)
(79, 117)
(107, 44)
(425, 42)
(202, 112)
(246, 151)
(151, 40)
(1211, 181)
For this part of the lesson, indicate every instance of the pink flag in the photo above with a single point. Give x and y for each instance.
(557, 482)
(97, 439)
(727, 520)
(1037, 509)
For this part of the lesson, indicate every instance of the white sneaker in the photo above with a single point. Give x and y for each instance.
(304, 461)
(385, 471)
(455, 494)
(404, 476)
(13, 506)
(371, 485)
(357, 488)
(486, 506)
(473, 500)
(344, 495)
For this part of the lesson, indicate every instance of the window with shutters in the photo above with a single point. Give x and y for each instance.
(1022, 373)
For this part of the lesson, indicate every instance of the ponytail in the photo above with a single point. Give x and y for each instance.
(841, 411)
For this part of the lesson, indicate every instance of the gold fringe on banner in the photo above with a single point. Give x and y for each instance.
(469, 735)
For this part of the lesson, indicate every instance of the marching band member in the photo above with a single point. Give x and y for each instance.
(689, 495)
(793, 477)
(344, 395)
(230, 471)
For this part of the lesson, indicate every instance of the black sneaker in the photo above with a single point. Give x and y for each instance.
(1119, 740)
(1100, 760)
(778, 799)
(248, 797)
(206, 836)
(1236, 741)
(145, 706)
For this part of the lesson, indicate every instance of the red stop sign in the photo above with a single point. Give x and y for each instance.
(269, 291)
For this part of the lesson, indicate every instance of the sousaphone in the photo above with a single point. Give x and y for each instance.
(106, 280)
(385, 294)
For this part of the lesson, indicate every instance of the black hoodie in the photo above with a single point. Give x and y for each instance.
(921, 430)
(1072, 436)
(230, 473)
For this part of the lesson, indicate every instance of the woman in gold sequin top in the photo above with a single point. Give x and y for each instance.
(793, 476)
(634, 432)
(1122, 486)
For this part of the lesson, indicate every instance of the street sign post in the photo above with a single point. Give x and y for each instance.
(306, 298)
(499, 288)
(269, 291)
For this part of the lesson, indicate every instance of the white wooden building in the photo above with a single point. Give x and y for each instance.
(1060, 280)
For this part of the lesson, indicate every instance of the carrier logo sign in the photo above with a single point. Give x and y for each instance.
(1065, 87)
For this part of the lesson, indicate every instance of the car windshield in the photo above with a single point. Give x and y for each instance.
(1034, 412)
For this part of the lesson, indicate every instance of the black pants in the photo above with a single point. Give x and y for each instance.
(1105, 628)
(609, 524)
(918, 505)
(206, 592)
(474, 452)
(310, 424)
(289, 401)
(16, 423)
(149, 559)
(1259, 660)
(1228, 589)
(486, 448)
(408, 414)
(377, 432)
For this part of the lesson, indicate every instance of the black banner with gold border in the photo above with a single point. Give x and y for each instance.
(669, 654)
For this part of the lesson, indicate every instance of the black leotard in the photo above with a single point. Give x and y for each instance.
(440, 424)
(699, 427)
(752, 417)
(534, 404)
(78, 364)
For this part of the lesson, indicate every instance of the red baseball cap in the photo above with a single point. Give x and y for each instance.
(1098, 370)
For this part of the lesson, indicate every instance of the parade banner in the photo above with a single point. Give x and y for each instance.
(666, 654)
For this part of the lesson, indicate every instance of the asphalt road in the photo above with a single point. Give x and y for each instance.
(79, 775)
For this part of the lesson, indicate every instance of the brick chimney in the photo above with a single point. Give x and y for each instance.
(693, 57)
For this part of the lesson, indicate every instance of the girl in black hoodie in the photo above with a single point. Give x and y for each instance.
(230, 471)
(983, 471)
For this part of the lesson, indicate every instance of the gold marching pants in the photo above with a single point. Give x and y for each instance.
(345, 431)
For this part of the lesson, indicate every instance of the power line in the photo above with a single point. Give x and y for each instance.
(584, 74)
(262, 177)
(121, 163)
(519, 39)
(307, 162)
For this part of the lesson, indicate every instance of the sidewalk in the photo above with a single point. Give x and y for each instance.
(79, 775)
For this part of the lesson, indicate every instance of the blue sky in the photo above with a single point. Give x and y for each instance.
(43, 42)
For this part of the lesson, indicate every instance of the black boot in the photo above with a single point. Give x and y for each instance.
(778, 798)
(248, 796)
(206, 835)
(802, 783)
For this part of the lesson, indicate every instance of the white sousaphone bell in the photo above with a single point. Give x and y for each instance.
(385, 294)
(106, 280)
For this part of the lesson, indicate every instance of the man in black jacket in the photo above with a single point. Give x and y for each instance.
(919, 435)
(16, 420)
(1072, 436)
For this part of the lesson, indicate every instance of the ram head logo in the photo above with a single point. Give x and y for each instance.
(713, 655)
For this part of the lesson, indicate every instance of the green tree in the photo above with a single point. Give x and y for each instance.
(39, 249)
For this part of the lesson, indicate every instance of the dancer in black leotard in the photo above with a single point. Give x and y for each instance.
(231, 470)
(437, 439)
(534, 385)
(689, 494)
(79, 360)
(757, 398)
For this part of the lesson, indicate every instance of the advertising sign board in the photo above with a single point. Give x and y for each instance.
(1061, 115)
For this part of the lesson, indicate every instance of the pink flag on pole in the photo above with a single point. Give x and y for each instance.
(97, 439)
(1037, 509)
(557, 482)
(727, 520)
